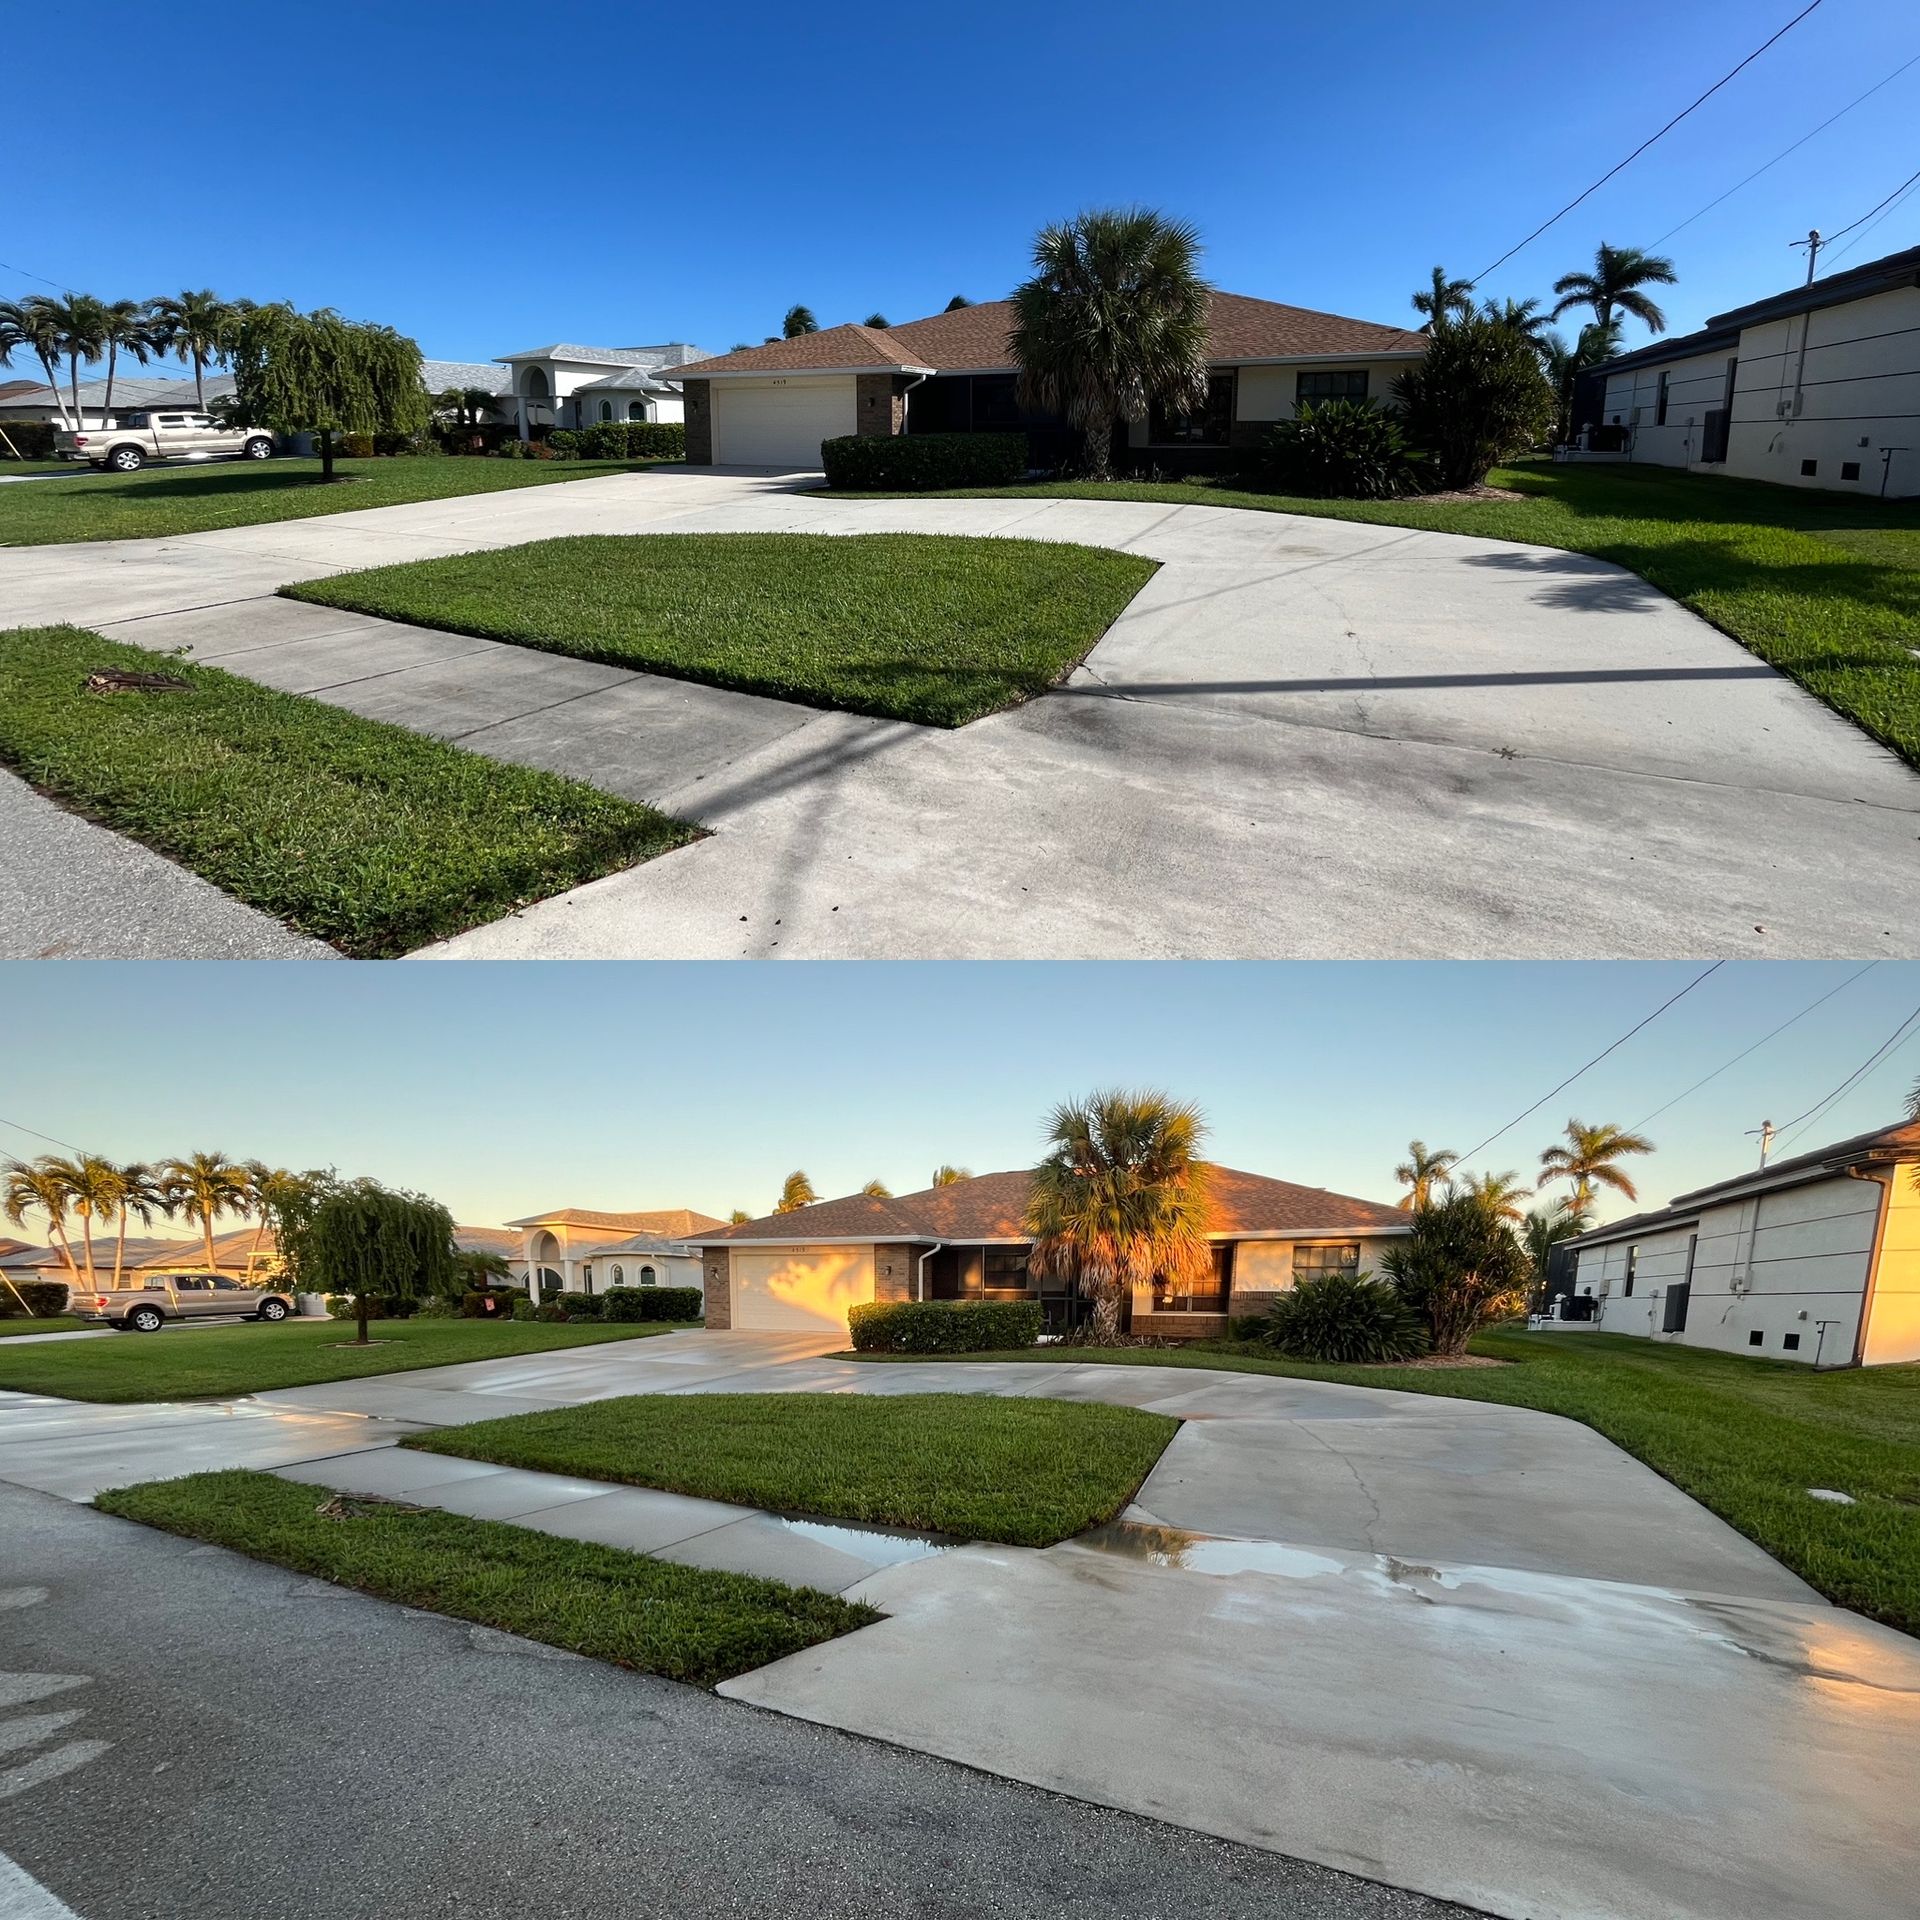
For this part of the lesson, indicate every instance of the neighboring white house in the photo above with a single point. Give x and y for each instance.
(580, 1250)
(1815, 1259)
(1815, 387)
(573, 386)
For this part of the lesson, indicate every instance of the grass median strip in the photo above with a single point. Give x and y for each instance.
(195, 499)
(1824, 586)
(1746, 1438)
(363, 834)
(684, 1623)
(933, 628)
(198, 1363)
(976, 1467)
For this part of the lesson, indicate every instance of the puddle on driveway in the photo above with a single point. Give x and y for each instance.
(1206, 1553)
(877, 1546)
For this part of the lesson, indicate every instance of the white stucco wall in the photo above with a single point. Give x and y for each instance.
(1893, 1314)
(1696, 385)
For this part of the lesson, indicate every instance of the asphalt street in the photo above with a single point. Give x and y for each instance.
(185, 1731)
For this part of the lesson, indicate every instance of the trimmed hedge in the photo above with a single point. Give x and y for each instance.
(652, 1303)
(943, 1326)
(488, 1303)
(34, 438)
(915, 462)
(344, 1306)
(581, 1306)
(44, 1298)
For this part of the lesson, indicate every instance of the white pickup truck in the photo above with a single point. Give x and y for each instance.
(142, 437)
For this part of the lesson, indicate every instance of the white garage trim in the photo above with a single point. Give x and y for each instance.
(799, 1289)
(781, 422)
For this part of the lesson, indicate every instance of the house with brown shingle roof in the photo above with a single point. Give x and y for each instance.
(801, 1271)
(772, 406)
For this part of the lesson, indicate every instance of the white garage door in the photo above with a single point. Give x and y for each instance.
(778, 423)
(799, 1289)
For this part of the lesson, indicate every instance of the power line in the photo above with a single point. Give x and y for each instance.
(1787, 152)
(1644, 145)
(1871, 211)
(1872, 1060)
(1900, 195)
(1704, 974)
(38, 1135)
(58, 287)
(1757, 1045)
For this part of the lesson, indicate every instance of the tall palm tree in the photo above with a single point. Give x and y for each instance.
(27, 1186)
(738, 1217)
(142, 1196)
(126, 327)
(93, 1192)
(27, 323)
(79, 323)
(1588, 1160)
(879, 320)
(1545, 1227)
(946, 1176)
(1522, 317)
(270, 1191)
(958, 301)
(1499, 1193)
(203, 1186)
(798, 320)
(1121, 1200)
(1113, 321)
(1615, 282)
(195, 326)
(1443, 299)
(795, 1193)
(1423, 1170)
(877, 1190)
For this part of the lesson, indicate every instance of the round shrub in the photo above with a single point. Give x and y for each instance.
(944, 1326)
(553, 1313)
(1341, 450)
(1347, 1317)
(582, 1306)
(524, 1309)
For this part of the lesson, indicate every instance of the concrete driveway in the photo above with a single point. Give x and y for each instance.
(1305, 737)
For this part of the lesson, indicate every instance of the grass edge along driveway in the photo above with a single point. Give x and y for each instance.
(164, 502)
(205, 1363)
(933, 628)
(1746, 1438)
(652, 1616)
(369, 836)
(1823, 586)
(971, 1466)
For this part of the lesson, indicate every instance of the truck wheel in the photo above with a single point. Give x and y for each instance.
(126, 460)
(272, 1310)
(258, 449)
(145, 1319)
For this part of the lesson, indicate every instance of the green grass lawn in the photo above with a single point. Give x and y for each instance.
(1028, 1472)
(1824, 586)
(650, 1615)
(1746, 1438)
(196, 1363)
(370, 836)
(55, 1323)
(936, 628)
(242, 493)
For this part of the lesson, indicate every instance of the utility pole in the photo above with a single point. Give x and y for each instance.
(1886, 466)
(1813, 243)
(1766, 1131)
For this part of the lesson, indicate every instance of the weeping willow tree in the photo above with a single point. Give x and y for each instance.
(369, 1241)
(317, 373)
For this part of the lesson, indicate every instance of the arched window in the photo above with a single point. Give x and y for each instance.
(533, 383)
(619, 1276)
(606, 409)
(636, 409)
(646, 1276)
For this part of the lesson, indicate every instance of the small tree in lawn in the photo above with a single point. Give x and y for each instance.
(1461, 1266)
(369, 1241)
(1477, 397)
(317, 373)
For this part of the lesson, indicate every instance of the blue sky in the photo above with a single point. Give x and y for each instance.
(505, 1089)
(489, 177)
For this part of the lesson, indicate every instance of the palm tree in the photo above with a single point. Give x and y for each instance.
(879, 320)
(79, 323)
(1443, 300)
(269, 1192)
(196, 326)
(1499, 1193)
(1588, 1160)
(203, 1186)
(796, 1193)
(93, 1190)
(798, 320)
(877, 1190)
(1615, 282)
(1545, 1227)
(126, 327)
(1421, 1171)
(1113, 321)
(946, 1176)
(141, 1195)
(28, 1186)
(738, 1217)
(1121, 1200)
(26, 323)
(958, 301)
(1524, 318)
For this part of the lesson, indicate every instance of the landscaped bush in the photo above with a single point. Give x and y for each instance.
(40, 1298)
(524, 1309)
(1348, 1317)
(491, 1303)
(652, 1303)
(353, 446)
(32, 438)
(1342, 450)
(943, 1326)
(553, 1312)
(344, 1306)
(628, 440)
(438, 1309)
(581, 1306)
(1477, 397)
(913, 462)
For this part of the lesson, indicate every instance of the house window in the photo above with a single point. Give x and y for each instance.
(1633, 1264)
(1005, 1271)
(1660, 405)
(1340, 1256)
(636, 409)
(646, 1276)
(1849, 469)
(606, 409)
(1791, 1341)
(1211, 427)
(619, 1276)
(1316, 389)
(1756, 1338)
(1208, 1297)
(1808, 468)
